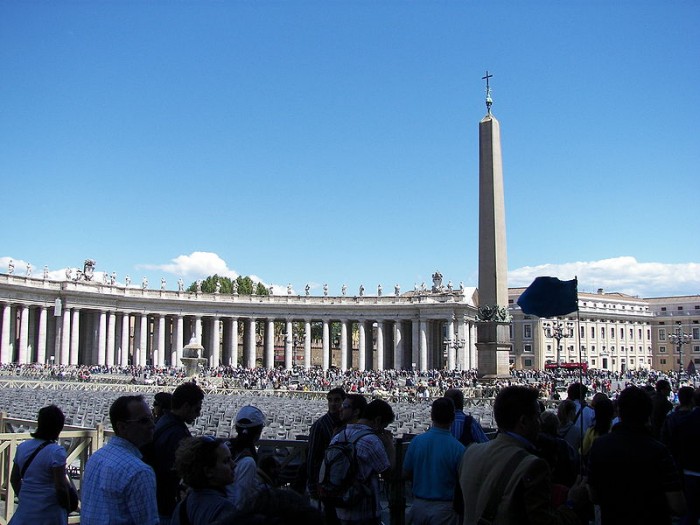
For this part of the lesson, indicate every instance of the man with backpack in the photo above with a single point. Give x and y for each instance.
(465, 428)
(356, 456)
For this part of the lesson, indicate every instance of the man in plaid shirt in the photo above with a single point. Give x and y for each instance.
(118, 488)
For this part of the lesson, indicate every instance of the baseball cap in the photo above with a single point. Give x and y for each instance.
(249, 417)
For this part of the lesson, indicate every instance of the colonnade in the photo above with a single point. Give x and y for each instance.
(70, 325)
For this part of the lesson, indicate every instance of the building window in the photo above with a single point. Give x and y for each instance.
(583, 332)
(680, 308)
(592, 331)
(640, 333)
(696, 333)
(648, 333)
(528, 362)
(622, 349)
(662, 349)
(528, 348)
(662, 334)
(696, 349)
(663, 361)
(663, 308)
(593, 349)
(631, 333)
(527, 331)
(602, 332)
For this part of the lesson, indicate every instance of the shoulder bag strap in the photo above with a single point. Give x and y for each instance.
(492, 507)
(31, 458)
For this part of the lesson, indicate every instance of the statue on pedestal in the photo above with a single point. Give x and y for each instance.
(289, 289)
(199, 286)
(379, 290)
(144, 283)
(362, 290)
(68, 274)
(437, 282)
(307, 288)
(46, 272)
(10, 267)
(344, 289)
(113, 278)
(162, 283)
(29, 269)
(127, 281)
(180, 285)
(325, 289)
(218, 287)
(235, 287)
(397, 290)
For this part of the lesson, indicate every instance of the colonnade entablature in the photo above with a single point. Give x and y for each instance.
(76, 323)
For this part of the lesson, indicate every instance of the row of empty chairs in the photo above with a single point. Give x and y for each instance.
(287, 418)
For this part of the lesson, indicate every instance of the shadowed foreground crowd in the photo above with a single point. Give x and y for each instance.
(631, 460)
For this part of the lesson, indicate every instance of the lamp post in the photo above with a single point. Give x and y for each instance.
(558, 330)
(680, 338)
(455, 345)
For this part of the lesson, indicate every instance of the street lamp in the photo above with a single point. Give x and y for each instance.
(558, 330)
(455, 345)
(680, 338)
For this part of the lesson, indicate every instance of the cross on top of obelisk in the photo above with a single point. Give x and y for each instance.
(488, 92)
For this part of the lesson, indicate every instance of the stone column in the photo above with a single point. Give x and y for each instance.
(24, 356)
(362, 356)
(326, 345)
(472, 346)
(74, 336)
(198, 328)
(451, 357)
(65, 337)
(343, 345)
(423, 345)
(249, 351)
(143, 339)
(233, 359)
(307, 344)
(102, 340)
(5, 349)
(269, 360)
(126, 338)
(111, 337)
(161, 340)
(380, 345)
(215, 356)
(41, 342)
(398, 346)
(415, 342)
(179, 336)
(288, 341)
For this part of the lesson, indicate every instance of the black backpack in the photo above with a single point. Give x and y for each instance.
(337, 479)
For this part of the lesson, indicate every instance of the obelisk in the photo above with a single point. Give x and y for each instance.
(493, 328)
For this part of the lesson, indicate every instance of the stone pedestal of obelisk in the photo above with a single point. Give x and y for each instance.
(493, 335)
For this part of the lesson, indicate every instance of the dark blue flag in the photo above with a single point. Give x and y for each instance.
(549, 297)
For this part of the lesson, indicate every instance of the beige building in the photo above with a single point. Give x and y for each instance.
(671, 315)
(611, 331)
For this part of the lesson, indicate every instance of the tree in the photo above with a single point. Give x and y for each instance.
(245, 285)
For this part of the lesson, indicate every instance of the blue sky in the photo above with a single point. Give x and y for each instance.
(336, 142)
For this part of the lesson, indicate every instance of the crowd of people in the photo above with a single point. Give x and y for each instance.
(409, 385)
(631, 458)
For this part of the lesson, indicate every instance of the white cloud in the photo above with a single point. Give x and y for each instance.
(619, 274)
(195, 265)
